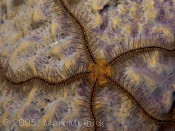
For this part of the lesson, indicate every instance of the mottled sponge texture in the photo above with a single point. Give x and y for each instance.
(39, 38)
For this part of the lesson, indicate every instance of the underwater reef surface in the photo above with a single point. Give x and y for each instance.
(44, 43)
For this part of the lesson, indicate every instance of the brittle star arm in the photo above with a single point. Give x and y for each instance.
(69, 80)
(120, 87)
(83, 32)
(134, 51)
(92, 106)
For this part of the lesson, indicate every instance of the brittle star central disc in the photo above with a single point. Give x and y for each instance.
(99, 71)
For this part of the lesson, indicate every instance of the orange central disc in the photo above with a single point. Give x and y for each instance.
(99, 70)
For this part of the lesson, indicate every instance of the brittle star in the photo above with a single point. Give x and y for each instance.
(100, 71)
